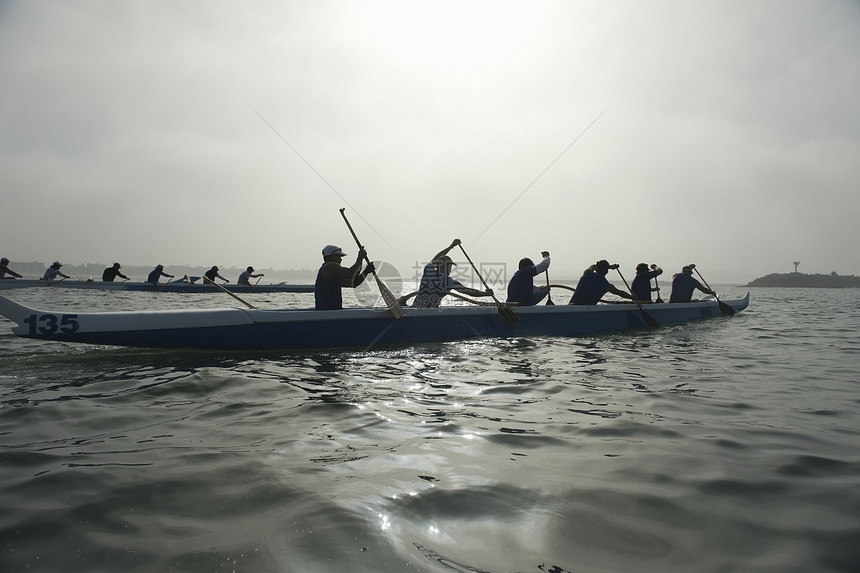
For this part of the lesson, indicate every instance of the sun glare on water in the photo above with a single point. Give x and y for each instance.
(451, 37)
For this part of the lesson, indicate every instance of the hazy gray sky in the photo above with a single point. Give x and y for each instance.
(130, 131)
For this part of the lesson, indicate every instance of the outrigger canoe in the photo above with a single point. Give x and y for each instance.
(241, 328)
(172, 286)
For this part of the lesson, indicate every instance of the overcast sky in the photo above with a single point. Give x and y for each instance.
(177, 132)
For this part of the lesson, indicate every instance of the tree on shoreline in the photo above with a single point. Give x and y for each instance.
(796, 263)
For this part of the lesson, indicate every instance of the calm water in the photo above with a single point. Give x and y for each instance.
(727, 445)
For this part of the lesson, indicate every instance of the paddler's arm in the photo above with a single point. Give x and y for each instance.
(349, 277)
(355, 275)
(619, 292)
(705, 289)
(544, 264)
(474, 292)
(470, 291)
(358, 278)
(446, 250)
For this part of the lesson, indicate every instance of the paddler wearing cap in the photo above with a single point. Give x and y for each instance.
(593, 285)
(156, 274)
(213, 274)
(5, 270)
(332, 277)
(52, 272)
(683, 285)
(111, 273)
(246, 276)
(436, 281)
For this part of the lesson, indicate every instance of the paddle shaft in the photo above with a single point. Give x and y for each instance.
(657, 286)
(649, 320)
(726, 309)
(483, 282)
(389, 298)
(506, 313)
(703, 280)
(231, 293)
(455, 294)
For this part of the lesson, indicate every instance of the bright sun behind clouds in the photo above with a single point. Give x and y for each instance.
(450, 36)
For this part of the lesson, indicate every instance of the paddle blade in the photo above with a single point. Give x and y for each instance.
(725, 309)
(649, 320)
(507, 314)
(390, 300)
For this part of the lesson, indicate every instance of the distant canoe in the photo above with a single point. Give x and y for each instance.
(241, 328)
(172, 286)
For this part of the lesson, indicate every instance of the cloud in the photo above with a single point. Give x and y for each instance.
(131, 131)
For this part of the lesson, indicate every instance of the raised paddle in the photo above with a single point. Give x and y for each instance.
(231, 293)
(389, 298)
(506, 313)
(724, 308)
(649, 320)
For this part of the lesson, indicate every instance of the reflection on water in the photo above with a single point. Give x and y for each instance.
(724, 445)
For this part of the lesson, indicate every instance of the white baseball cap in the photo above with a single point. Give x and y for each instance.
(331, 250)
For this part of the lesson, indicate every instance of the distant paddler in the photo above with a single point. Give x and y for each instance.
(52, 272)
(156, 274)
(212, 274)
(247, 275)
(5, 270)
(112, 272)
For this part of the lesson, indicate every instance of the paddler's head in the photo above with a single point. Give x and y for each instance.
(332, 254)
(445, 264)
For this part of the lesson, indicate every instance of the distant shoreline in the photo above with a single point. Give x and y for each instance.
(801, 280)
